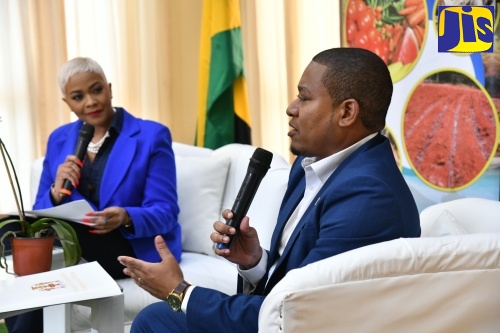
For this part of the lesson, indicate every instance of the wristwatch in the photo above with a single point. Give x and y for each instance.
(176, 296)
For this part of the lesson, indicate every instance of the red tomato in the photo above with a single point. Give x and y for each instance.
(361, 40)
(356, 9)
(382, 50)
(351, 30)
(360, 6)
(366, 21)
(375, 35)
(385, 47)
(351, 10)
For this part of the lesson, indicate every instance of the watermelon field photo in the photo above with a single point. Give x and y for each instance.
(449, 130)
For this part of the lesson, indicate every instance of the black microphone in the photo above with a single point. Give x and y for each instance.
(84, 138)
(260, 162)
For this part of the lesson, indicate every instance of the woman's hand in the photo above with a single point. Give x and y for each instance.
(70, 170)
(107, 220)
(245, 250)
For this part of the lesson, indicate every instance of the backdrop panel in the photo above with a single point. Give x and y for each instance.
(444, 115)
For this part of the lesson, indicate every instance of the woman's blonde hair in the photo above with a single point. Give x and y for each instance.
(76, 66)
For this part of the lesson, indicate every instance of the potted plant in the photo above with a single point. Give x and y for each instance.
(43, 229)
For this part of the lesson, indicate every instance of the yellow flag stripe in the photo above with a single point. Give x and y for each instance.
(241, 100)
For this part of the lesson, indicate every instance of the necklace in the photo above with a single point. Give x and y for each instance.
(94, 147)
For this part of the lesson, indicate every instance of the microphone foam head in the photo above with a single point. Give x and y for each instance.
(87, 131)
(261, 159)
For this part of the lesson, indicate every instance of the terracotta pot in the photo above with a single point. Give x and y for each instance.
(32, 255)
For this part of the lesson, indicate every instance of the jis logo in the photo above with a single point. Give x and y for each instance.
(465, 29)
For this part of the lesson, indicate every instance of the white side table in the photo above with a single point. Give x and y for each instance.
(107, 313)
(107, 316)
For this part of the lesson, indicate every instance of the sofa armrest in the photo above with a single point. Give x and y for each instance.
(438, 284)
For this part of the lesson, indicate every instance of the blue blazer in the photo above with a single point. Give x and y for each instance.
(139, 176)
(365, 201)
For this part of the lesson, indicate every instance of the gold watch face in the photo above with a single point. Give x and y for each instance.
(175, 302)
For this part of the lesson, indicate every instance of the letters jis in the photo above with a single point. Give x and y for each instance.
(466, 29)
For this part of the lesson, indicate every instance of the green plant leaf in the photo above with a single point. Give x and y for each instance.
(25, 225)
(69, 241)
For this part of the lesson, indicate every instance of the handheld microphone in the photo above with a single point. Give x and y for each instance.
(260, 162)
(84, 137)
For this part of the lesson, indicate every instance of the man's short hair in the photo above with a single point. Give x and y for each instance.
(362, 75)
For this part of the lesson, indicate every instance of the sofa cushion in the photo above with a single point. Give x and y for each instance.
(476, 215)
(264, 209)
(446, 225)
(200, 186)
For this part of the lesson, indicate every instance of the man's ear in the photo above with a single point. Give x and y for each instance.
(349, 112)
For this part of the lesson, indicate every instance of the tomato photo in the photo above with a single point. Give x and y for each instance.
(392, 29)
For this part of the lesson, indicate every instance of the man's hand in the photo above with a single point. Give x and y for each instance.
(246, 250)
(159, 279)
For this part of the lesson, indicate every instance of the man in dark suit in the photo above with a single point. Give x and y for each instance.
(345, 191)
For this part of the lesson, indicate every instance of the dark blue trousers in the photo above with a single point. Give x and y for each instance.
(159, 317)
(29, 322)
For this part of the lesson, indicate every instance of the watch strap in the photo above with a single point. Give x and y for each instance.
(181, 289)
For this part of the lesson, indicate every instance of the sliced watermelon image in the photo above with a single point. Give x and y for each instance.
(407, 51)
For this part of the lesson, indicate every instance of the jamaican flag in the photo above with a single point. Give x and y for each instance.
(223, 114)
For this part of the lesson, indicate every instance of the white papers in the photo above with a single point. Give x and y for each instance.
(72, 211)
(71, 284)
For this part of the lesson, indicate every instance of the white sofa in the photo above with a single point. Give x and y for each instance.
(446, 281)
(429, 284)
(208, 182)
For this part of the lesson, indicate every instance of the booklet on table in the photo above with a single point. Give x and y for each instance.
(65, 285)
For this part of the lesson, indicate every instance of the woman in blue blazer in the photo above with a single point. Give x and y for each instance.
(127, 175)
(137, 192)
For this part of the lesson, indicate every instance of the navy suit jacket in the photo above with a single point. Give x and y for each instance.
(365, 201)
(139, 176)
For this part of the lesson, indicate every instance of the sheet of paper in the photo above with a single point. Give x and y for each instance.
(72, 211)
(70, 284)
